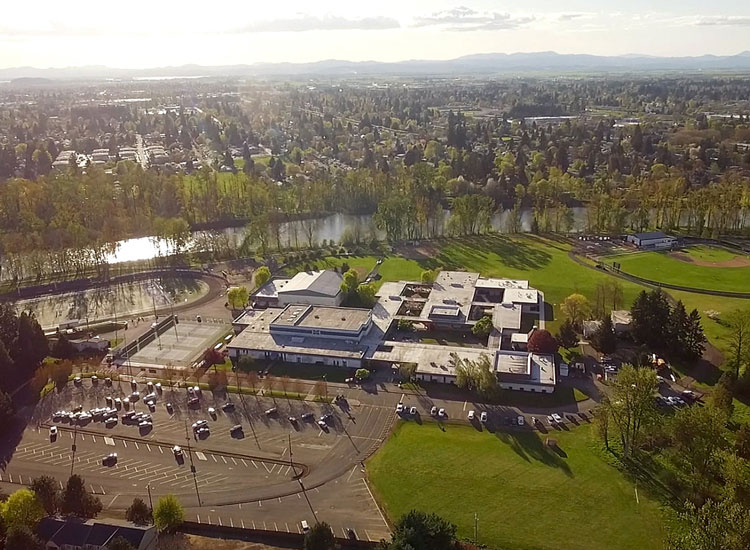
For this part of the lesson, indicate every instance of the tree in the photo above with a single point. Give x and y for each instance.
(168, 513)
(62, 349)
(722, 399)
(739, 344)
(362, 374)
(567, 336)
(604, 338)
(212, 357)
(46, 491)
(61, 372)
(630, 404)
(262, 275)
(577, 308)
(405, 325)
(541, 341)
(246, 364)
(119, 543)
(350, 283)
(483, 327)
(138, 512)
(420, 531)
(319, 537)
(487, 379)
(366, 294)
(693, 339)
(21, 537)
(7, 410)
(698, 434)
(742, 442)
(22, 509)
(77, 501)
(651, 315)
(237, 297)
(428, 276)
(31, 345)
(717, 525)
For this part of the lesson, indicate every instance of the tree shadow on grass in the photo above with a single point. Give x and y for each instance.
(529, 446)
(515, 253)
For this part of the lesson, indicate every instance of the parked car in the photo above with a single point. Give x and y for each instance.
(305, 527)
(212, 412)
(53, 432)
(110, 459)
(400, 408)
(198, 424)
(111, 421)
(107, 381)
(271, 411)
(227, 407)
(557, 418)
(521, 420)
(441, 413)
(433, 411)
(483, 417)
(177, 451)
(307, 416)
(471, 415)
(237, 428)
(413, 411)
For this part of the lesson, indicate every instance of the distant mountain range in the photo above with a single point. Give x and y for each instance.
(486, 64)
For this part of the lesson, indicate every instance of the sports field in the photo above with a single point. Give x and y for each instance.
(695, 267)
(526, 496)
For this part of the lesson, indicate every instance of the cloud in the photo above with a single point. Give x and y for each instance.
(462, 18)
(303, 23)
(570, 16)
(723, 20)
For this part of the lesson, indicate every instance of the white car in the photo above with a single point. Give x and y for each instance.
(471, 415)
(400, 408)
(118, 402)
(557, 418)
(483, 417)
(413, 411)
(94, 379)
(53, 432)
(521, 420)
(199, 424)
(158, 387)
(433, 411)
(177, 450)
(212, 411)
(441, 413)
(135, 396)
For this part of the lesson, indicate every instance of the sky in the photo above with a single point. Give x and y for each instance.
(154, 33)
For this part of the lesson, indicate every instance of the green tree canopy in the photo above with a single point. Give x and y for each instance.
(567, 335)
(45, 489)
(168, 513)
(421, 531)
(262, 275)
(577, 308)
(483, 327)
(237, 296)
(22, 509)
(77, 501)
(138, 512)
(319, 537)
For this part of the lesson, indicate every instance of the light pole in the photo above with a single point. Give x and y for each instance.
(73, 447)
(299, 480)
(192, 466)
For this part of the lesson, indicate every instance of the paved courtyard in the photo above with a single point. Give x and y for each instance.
(180, 345)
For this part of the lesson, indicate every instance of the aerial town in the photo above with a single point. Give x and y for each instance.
(495, 301)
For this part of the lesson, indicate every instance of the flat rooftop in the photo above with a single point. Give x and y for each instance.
(309, 345)
(324, 282)
(501, 283)
(451, 288)
(322, 317)
(271, 288)
(525, 368)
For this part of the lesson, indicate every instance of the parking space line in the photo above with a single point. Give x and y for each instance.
(254, 464)
(233, 460)
(136, 445)
(148, 447)
(160, 449)
(212, 456)
(224, 459)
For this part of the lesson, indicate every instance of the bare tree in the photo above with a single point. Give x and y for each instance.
(252, 380)
(319, 388)
(270, 385)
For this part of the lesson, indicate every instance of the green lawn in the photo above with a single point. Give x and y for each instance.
(663, 268)
(526, 496)
(710, 253)
(543, 262)
(362, 264)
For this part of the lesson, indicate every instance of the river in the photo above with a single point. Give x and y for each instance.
(328, 228)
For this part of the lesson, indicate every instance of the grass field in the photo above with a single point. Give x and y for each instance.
(664, 268)
(710, 253)
(526, 496)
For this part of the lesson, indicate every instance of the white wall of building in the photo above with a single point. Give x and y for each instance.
(288, 298)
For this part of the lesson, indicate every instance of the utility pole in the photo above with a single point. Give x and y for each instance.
(299, 480)
(192, 466)
(150, 502)
(73, 447)
(476, 529)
